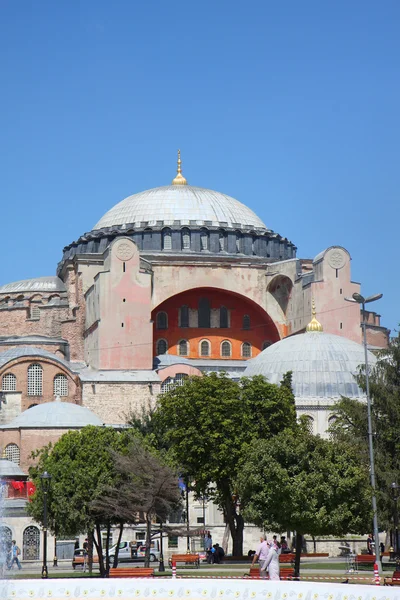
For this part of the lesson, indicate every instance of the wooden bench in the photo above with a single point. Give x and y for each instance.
(188, 559)
(394, 580)
(365, 560)
(284, 573)
(131, 572)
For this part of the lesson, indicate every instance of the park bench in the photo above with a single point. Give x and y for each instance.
(131, 572)
(365, 560)
(284, 572)
(393, 580)
(188, 559)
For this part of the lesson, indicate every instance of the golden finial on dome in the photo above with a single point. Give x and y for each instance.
(314, 325)
(179, 179)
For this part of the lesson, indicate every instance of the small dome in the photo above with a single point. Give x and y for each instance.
(38, 284)
(187, 204)
(64, 415)
(10, 469)
(323, 365)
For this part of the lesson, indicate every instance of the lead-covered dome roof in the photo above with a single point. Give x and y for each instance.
(188, 204)
(323, 365)
(53, 415)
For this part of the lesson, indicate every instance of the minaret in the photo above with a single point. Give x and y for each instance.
(314, 325)
(179, 179)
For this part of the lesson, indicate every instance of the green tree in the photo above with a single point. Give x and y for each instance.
(81, 466)
(351, 426)
(302, 482)
(207, 423)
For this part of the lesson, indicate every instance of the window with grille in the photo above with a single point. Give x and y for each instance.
(172, 382)
(222, 241)
(12, 453)
(183, 348)
(246, 322)
(204, 312)
(203, 240)
(35, 380)
(60, 385)
(35, 312)
(9, 383)
(246, 350)
(309, 424)
(184, 316)
(185, 239)
(162, 347)
(226, 349)
(266, 344)
(162, 320)
(180, 378)
(223, 317)
(167, 240)
(205, 348)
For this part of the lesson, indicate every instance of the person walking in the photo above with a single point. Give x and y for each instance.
(14, 552)
(272, 561)
(208, 547)
(261, 556)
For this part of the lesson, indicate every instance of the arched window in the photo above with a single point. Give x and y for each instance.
(13, 453)
(9, 383)
(31, 543)
(162, 320)
(162, 347)
(204, 312)
(60, 385)
(266, 344)
(253, 245)
(183, 348)
(246, 322)
(226, 349)
(203, 240)
(309, 423)
(238, 243)
(35, 312)
(5, 536)
(167, 239)
(32, 405)
(331, 421)
(184, 316)
(204, 348)
(35, 380)
(246, 350)
(222, 241)
(171, 382)
(185, 239)
(223, 317)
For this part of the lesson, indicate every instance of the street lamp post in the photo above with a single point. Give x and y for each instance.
(45, 481)
(396, 554)
(363, 301)
(161, 566)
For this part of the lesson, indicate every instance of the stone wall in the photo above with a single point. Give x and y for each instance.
(115, 402)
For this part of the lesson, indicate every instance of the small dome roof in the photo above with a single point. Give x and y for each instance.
(10, 469)
(64, 415)
(323, 365)
(38, 284)
(187, 204)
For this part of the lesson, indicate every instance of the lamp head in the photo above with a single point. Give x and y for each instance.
(45, 481)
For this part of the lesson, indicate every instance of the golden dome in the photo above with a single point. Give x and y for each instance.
(179, 179)
(314, 325)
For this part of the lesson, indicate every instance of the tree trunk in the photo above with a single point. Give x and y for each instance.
(107, 548)
(121, 529)
(148, 540)
(99, 549)
(299, 545)
(90, 551)
(236, 525)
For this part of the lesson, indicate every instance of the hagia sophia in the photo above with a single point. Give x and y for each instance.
(171, 282)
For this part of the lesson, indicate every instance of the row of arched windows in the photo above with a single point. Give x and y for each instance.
(35, 382)
(30, 541)
(204, 348)
(203, 317)
(186, 241)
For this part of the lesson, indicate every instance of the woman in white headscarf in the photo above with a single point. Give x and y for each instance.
(272, 562)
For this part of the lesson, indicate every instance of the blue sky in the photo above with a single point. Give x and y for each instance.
(291, 107)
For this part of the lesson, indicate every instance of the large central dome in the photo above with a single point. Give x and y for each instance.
(187, 204)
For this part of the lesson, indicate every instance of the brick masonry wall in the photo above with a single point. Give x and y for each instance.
(115, 402)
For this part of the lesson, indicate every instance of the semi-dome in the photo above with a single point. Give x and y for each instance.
(323, 365)
(188, 204)
(51, 415)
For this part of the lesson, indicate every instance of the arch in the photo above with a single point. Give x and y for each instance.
(60, 385)
(204, 245)
(204, 348)
(266, 344)
(13, 453)
(31, 543)
(161, 346)
(222, 240)
(162, 320)
(223, 317)
(239, 242)
(331, 421)
(32, 405)
(280, 288)
(183, 348)
(309, 421)
(35, 380)
(5, 537)
(166, 239)
(204, 313)
(246, 350)
(9, 383)
(185, 239)
(184, 316)
(54, 299)
(226, 349)
(171, 382)
(246, 322)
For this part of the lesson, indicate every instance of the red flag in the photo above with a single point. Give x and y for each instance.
(31, 488)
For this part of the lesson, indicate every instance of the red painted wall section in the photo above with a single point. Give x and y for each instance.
(262, 328)
(125, 330)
